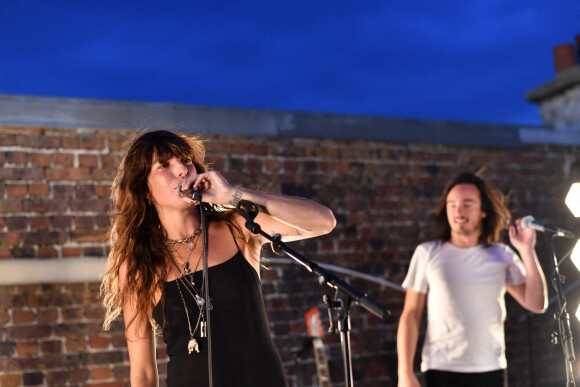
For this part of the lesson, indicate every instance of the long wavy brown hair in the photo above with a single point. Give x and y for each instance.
(493, 203)
(136, 234)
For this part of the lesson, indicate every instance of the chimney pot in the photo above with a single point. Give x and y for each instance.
(565, 56)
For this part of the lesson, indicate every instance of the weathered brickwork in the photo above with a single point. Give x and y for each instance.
(54, 188)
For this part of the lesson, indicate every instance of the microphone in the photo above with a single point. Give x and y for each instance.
(194, 195)
(528, 222)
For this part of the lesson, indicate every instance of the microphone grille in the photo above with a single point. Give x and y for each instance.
(527, 221)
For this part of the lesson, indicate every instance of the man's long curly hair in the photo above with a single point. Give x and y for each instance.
(136, 234)
(493, 204)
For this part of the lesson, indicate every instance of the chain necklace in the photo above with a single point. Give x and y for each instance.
(192, 345)
(190, 240)
(197, 295)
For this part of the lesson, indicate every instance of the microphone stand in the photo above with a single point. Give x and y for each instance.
(195, 196)
(345, 294)
(562, 317)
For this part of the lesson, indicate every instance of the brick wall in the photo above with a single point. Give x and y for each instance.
(54, 186)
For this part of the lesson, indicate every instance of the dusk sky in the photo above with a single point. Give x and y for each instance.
(453, 60)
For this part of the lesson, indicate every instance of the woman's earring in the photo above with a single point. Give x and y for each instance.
(149, 201)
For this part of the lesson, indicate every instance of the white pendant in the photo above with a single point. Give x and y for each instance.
(192, 346)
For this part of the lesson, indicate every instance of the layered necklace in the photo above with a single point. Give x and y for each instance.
(192, 344)
(190, 240)
(186, 278)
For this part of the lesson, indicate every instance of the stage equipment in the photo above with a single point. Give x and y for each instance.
(344, 295)
(573, 199)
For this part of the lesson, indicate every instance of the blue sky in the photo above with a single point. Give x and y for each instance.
(455, 60)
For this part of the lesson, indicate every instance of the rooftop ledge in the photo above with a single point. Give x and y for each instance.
(91, 113)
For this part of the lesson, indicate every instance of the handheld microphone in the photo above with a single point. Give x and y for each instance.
(194, 195)
(528, 222)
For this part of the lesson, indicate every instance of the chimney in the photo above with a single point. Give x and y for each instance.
(559, 99)
(565, 56)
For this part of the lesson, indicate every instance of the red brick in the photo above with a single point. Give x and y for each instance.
(79, 375)
(22, 316)
(40, 222)
(57, 378)
(47, 252)
(12, 157)
(100, 205)
(16, 190)
(71, 314)
(68, 174)
(76, 344)
(10, 380)
(85, 222)
(10, 205)
(116, 143)
(28, 332)
(85, 191)
(272, 165)
(111, 162)
(63, 159)
(62, 221)
(51, 347)
(96, 312)
(99, 342)
(93, 142)
(68, 252)
(21, 173)
(104, 191)
(63, 190)
(99, 373)
(16, 223)
(27, 347)
(44, 237)
(89, 236)
(41, 159)
(89, 161)
(46, 316)
(9, 238)
(32, 378)
(46, 205)
(4, 316)
(36, 141)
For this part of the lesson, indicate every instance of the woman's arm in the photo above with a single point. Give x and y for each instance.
(140, 344)
(292, 217)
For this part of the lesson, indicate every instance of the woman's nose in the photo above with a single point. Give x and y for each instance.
(181, 168)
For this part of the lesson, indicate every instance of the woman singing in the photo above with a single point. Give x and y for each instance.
(155, 273)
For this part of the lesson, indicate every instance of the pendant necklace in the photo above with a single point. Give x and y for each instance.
(192, 345)
(197, 295)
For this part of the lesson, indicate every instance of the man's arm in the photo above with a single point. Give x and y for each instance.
(408, 335)
(532, 294)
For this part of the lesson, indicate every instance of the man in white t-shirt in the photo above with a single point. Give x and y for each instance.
(463, 277)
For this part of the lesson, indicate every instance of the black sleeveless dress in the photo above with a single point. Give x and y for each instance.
(243, 350)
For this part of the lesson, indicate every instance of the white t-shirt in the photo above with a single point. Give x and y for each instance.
(465, 290)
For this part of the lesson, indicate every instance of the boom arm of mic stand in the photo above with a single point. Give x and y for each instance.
(324, 276)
